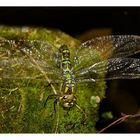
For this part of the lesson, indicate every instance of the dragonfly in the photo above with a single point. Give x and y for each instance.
(101, 58)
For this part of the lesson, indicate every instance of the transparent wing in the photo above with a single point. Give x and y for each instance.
(115, 68)
(21, 68)
(27, 59)
(103, 48)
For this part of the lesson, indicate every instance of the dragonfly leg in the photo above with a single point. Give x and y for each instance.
(48, 85)
(55, 103)
(49, 97)
(51, 83)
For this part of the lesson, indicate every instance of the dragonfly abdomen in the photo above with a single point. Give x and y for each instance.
(67, 98)
(67, 72)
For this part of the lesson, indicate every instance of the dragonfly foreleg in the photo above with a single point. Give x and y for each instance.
(50, 97)
(52, 83)
(55, 103)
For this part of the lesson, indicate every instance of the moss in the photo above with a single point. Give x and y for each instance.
(23, 111)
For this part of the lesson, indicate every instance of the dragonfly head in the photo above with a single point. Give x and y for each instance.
(67, 100)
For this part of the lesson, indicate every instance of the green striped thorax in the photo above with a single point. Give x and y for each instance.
(67, 98)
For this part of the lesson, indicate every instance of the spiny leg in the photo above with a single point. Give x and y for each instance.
(52, 83)
(55, 103)
(49, 97)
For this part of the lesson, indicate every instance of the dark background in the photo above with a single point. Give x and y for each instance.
(76, 20)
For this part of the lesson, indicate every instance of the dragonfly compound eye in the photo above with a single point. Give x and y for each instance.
(68, 104)
(65, 97)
